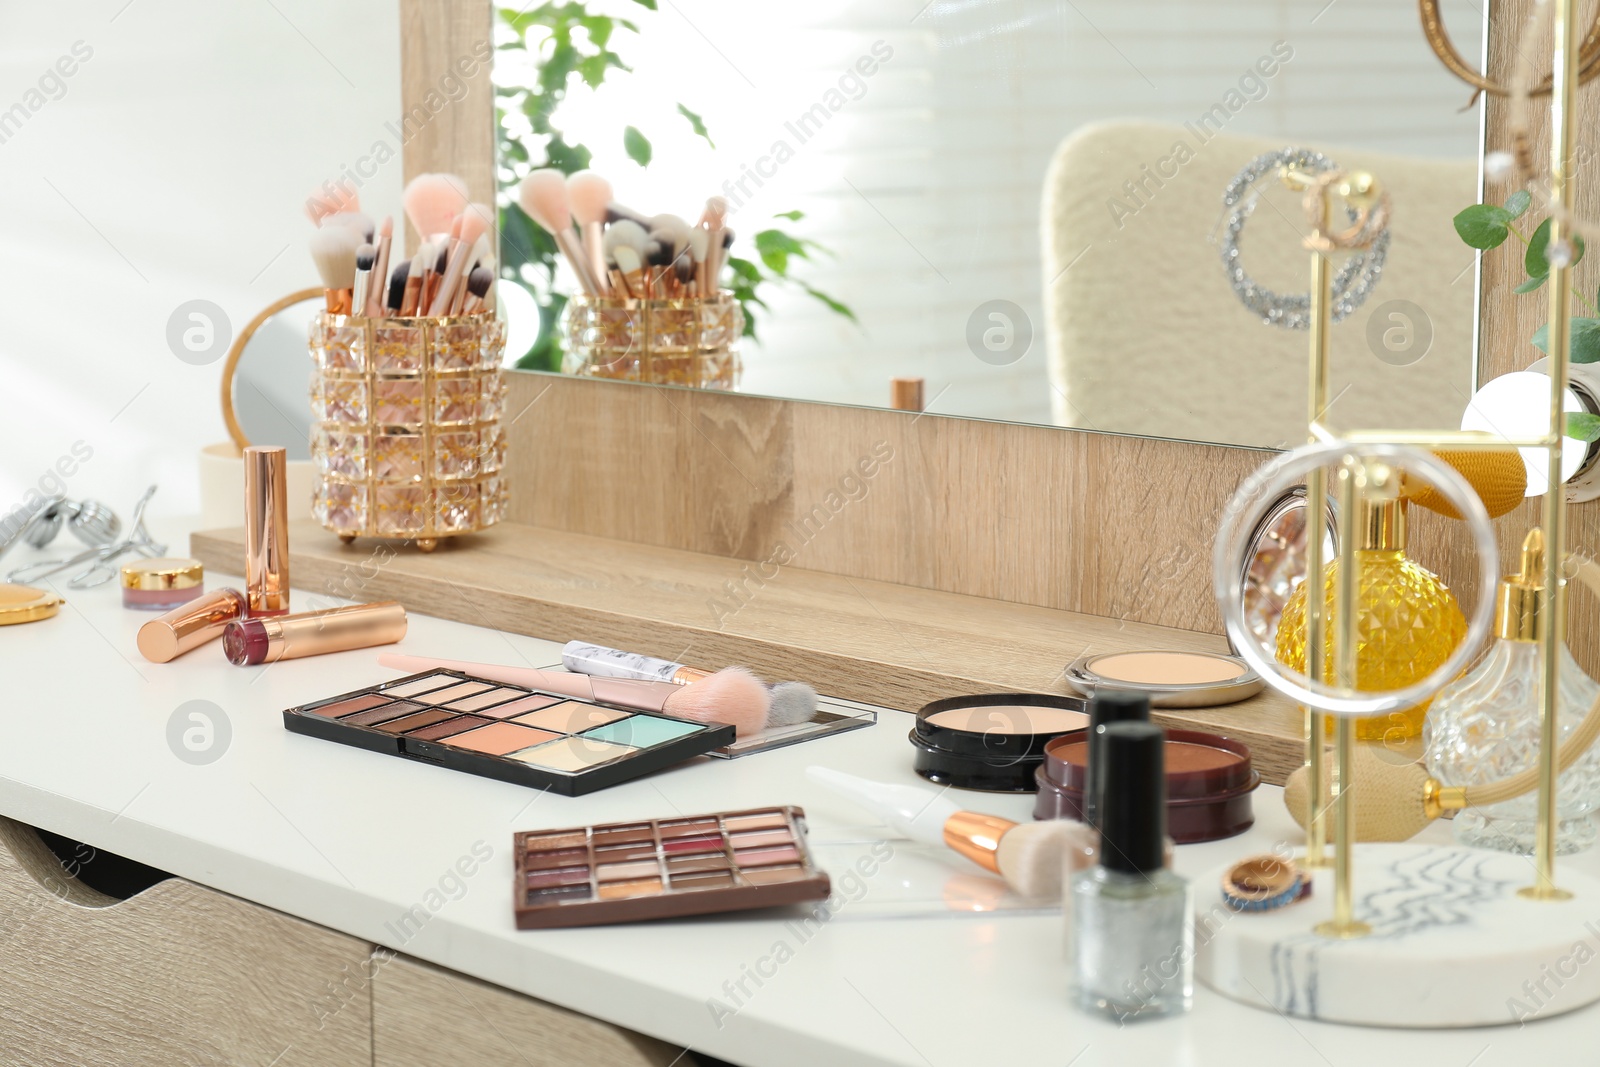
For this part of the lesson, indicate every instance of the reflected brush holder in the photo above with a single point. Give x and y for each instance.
(687, 341)
(406, 441)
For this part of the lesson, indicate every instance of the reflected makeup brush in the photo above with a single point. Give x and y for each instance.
(733, 696)
(478, 283)
(699, 242)
(712, 221)
(543, 195)
(366, 255)
(333, 250)
(625, 244)
(658, 258)
(380, 268)
(397, 288)
(432, 201)
(673, 234)
(616, 212)
(589, 193)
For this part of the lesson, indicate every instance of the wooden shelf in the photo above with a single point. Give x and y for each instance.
(887, 644)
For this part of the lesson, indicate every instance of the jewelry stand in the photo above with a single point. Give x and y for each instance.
(1420, 936)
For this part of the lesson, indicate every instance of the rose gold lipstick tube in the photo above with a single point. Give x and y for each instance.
(266, 531)
(190, 625)
(247, 642)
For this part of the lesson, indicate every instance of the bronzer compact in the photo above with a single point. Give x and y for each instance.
(662, 868)
(509, 732)
(992, 742)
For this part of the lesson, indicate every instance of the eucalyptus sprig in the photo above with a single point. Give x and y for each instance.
(572, 47)
(1486, 227)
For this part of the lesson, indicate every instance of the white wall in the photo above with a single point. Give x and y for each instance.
(172, 168)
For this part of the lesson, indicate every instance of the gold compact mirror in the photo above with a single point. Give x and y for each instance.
(266, 376)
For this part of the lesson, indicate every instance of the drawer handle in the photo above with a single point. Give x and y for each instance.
(59, 876)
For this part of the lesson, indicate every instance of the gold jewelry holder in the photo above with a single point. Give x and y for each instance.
(406, 436)
(684, 341)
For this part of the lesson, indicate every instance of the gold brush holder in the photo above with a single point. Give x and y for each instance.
(406, 437)
(686, 341)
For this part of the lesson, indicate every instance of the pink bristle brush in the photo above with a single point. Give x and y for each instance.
(330, 199)
(474, 223)
(733, 696)
(589, 193)
(543, 195)
(432, 202)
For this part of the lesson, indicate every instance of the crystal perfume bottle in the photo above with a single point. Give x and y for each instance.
(1485, 726)
(1132, 942)
(1409, 620)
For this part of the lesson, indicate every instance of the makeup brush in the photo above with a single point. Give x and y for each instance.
(380, 268)
(699, 242)
(616, 212)
(713, 221)
(478, 283)
(1030, 856)
(792, 702)
(413, 292)
(330, 199)
(366, 255)
(475, 223)
(626, 244)
(659, 258)
(450, 273)
(589, 193)
(631, 269)
(358, 222)
(438, 255)
(397, 288)
(333, 250)
(733, 696)
(491, 264)
(543, 195)
(432, 201)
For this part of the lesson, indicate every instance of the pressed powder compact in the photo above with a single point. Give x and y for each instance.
(663, 868)
(1169, 679)
(508, 732)
(24, 603)
(1209, 782)
(994, 741)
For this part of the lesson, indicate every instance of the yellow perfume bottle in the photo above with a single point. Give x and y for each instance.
(1409, 620)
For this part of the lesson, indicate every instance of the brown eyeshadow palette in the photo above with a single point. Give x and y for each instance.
(665, 868)
(509, 732)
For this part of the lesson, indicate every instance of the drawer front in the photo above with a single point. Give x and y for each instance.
(178, 974)
(424, 1016)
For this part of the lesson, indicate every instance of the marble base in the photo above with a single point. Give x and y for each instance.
(1452, 943)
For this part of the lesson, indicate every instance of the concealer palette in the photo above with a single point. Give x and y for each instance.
(509, 732)
(664, 868)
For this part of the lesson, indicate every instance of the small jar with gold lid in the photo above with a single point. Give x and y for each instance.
(161, 584)
(1485, 726)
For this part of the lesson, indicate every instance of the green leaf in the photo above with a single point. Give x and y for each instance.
(837, 307)
(651, 4)
(1585, 340)
(745, 273)
(1483, 226)
(636, 144)
(776, 247)
(1583, 426)
(1518, 202)
(697, 124)
(1531, 284)
(792, 216)
(1535, 262)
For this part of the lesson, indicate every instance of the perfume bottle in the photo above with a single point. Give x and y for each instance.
(1485, 726)
(1409, 620)
(1132, 920)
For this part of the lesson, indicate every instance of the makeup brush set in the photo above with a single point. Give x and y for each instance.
(451, 273)
(619, 253)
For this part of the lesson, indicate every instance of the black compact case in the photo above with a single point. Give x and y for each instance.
(997, 759)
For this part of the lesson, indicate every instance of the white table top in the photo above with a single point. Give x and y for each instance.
(353, 840)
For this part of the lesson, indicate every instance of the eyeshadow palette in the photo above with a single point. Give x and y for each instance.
(509, 732)
(664, 868)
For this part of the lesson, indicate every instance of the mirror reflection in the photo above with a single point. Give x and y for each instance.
(269, 383)
(1020, 204)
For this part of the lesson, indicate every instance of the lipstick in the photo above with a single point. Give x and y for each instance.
(266, 530)
(247, 642)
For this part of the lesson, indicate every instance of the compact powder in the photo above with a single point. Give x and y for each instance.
(1167, 668)
(1010, 719)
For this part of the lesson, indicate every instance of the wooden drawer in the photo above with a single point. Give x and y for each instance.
(424, 1016)
(178, 974)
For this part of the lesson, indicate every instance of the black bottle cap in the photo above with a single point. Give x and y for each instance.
(1105, 709)
(1133, 802)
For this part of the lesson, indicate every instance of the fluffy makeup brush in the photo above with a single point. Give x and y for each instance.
(1030, 856)
(397, 288)
(733, 696)
(358, 222)
(366, 256)
(792, 702)
(588, 194)
(432, 201)
(714, 221)
(380, 268)
(616, 212)
(626, 244)
(543, 195)
(478, 283)
(333, 250)
(330, 199)
(699, 243)
(475, 223)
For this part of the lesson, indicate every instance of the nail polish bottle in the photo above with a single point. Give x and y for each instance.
(1132, 920)
(1105, 708)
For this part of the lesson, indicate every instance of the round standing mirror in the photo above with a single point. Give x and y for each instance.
(267, 373)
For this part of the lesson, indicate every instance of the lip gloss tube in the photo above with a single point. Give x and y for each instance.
(266, 531)
(247, 642)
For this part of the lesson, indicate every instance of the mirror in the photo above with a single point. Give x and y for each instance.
(267, 374)
(1022, 203)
